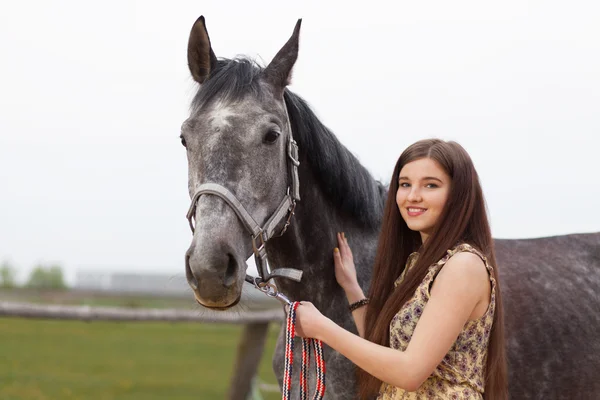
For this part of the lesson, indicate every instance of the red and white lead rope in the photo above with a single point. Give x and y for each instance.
(290, 334)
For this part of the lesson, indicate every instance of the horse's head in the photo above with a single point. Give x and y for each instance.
(237, 136)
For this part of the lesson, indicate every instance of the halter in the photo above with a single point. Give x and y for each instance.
(260, 235)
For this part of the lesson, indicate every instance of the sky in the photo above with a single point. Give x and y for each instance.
(93, 94)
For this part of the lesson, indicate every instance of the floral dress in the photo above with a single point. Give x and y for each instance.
(460, 375)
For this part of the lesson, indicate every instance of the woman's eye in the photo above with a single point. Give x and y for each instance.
(431, 185)
(271, 136)
(182, 140)
(404, 184)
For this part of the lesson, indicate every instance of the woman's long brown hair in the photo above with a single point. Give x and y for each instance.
(463, 219)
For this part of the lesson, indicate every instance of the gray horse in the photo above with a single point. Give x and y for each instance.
(249, 185)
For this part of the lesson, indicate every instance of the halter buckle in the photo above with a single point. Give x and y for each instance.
(293, 152)
(262, 242)
(289, 218)
(271, 290)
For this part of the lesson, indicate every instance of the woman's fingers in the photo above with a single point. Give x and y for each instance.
(337, 258)
(340, 245)
(345, 253)
(345, 248)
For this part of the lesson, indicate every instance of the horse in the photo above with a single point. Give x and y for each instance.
(257, 152)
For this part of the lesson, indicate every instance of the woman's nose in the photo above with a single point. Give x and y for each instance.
(414, 195)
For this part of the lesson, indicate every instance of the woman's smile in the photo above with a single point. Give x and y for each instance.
(415, 211)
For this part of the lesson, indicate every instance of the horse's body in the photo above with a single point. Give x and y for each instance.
(551, 305)
(552, 315)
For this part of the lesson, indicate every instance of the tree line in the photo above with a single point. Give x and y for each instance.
(43, 276)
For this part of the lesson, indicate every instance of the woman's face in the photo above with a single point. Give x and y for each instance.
(422, 193)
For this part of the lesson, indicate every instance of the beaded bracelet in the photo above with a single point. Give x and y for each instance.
(358, 304)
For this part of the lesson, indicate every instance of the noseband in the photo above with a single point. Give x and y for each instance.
(260, 235)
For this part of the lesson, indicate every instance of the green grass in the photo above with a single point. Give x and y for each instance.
(48, 359)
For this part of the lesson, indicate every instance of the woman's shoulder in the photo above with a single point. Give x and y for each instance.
(465, 247)
(465, 263)
(466, 260)
(464, 276)
(467, 256)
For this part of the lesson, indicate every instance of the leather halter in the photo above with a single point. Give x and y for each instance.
(260, 235)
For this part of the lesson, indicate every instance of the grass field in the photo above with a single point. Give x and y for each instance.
(49, 359)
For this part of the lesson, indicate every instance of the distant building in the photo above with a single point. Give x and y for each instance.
(92, 280)
(128, 282)
(149, 283)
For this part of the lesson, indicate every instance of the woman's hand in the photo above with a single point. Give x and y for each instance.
(310, 323)
(345, 271)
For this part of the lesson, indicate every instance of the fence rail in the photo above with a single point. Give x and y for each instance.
(87, 313)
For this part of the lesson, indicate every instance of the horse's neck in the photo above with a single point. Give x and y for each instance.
(308, 245)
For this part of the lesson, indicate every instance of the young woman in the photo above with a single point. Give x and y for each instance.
(432, 324)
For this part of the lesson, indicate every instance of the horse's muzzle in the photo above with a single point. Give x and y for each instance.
(216, 277)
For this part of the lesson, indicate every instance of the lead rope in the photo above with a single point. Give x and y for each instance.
(317, 345)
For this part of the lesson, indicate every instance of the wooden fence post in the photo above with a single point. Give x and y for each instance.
(250, 350)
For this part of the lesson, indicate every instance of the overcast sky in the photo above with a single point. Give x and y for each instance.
(92, 96)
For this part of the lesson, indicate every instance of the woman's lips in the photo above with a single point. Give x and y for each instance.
(415, 211)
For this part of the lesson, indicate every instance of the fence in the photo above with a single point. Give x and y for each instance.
(250, 348)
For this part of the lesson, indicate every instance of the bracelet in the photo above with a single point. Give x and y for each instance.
(358, 304)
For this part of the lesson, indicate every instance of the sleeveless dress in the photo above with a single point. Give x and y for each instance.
(460, 375)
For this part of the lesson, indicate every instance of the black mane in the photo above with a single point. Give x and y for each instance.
(341, 176)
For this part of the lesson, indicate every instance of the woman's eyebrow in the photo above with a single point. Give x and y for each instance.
(425, 178)
(432, 177)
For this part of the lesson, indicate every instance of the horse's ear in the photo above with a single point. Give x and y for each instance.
(279, 72)
(201, 58)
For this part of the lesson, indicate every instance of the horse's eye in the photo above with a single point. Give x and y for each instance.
(271, 136)
(182, 140)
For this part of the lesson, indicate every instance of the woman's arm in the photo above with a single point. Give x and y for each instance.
(345, 274)
(462, 285)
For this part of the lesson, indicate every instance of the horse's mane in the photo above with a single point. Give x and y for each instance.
(342, 178)
(341, 175)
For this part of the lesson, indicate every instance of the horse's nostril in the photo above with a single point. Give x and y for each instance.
(189, 275)
(230, 271)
